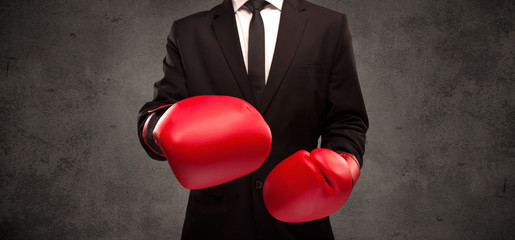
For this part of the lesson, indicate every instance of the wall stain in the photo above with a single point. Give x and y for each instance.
(10, 61)
(504, 187)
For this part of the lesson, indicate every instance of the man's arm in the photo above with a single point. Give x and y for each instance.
(167, 91)
(346, 120)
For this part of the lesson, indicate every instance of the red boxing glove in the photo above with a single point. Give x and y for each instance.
(210, 140)
(306, 187)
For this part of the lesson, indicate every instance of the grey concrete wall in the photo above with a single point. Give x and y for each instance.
(437, 78)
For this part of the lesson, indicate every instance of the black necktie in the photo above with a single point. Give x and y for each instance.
(256, 49)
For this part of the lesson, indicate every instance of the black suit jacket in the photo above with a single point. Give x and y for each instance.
(312, 91)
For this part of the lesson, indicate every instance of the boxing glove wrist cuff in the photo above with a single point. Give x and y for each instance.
(148, 129)
(354, 168)
(160, 107)
(355, 159)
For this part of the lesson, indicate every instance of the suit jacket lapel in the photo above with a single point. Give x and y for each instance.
(226, 31)
(291, 26)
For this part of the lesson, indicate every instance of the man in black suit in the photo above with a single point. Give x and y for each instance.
(311, 90)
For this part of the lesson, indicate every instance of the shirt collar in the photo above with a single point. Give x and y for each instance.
(238, 3)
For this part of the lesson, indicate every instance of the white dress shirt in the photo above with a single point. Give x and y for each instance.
(271, 15)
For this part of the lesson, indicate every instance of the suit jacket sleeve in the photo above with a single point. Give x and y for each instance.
(167, 91)
(346, 120)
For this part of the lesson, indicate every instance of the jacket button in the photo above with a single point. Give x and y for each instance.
(259, 184)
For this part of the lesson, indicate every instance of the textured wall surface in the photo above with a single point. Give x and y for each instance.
(437, 77)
